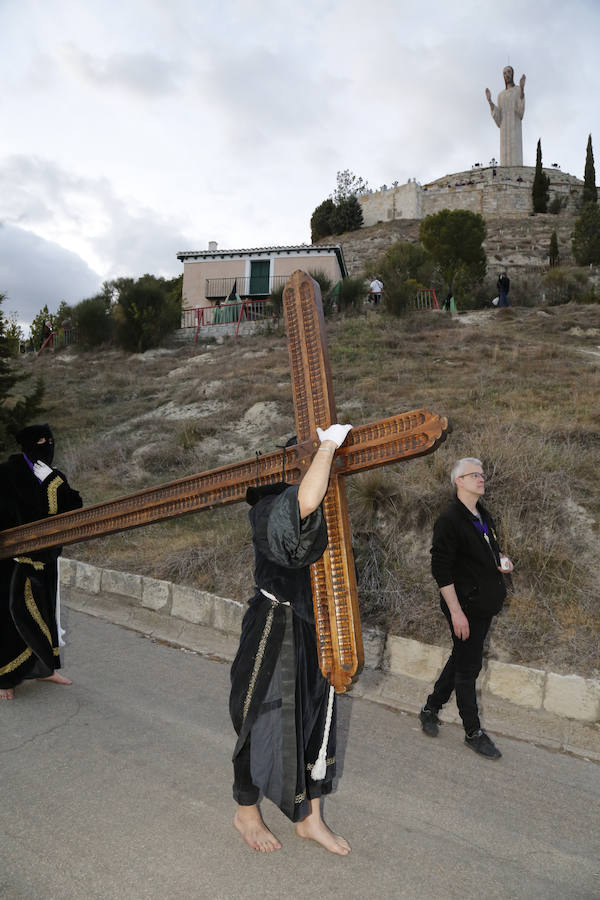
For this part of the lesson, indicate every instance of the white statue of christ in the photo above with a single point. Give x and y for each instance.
(507, 113)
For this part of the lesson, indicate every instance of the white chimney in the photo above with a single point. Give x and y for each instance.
(212, 246)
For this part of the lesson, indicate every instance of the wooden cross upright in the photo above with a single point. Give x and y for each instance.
(401, 437)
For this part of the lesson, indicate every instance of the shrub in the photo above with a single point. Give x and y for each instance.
(404, 269)
(93, 321)
(351, 294)
(146, 311)
(563, 285)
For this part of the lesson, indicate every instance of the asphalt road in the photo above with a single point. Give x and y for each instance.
(120, 787)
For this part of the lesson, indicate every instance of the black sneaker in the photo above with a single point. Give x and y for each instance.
(481, 743)
(429, 721)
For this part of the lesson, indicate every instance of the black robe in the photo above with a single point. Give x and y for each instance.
(29, 646)
(278, 695)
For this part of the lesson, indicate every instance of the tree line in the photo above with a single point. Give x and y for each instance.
(133, 314)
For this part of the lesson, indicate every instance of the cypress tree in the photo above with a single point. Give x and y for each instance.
(590, 194)
(553, 250)
(541, 183)
(586, 236)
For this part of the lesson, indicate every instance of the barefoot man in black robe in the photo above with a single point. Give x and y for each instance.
(30, 489)
(282, 707)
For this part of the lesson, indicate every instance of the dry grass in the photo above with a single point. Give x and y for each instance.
(520, 387)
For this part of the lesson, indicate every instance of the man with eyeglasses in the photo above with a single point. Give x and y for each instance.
(468, 567)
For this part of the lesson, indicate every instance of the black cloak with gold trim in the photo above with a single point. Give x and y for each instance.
(28, 632)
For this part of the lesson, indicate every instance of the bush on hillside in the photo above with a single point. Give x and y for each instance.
(454, 239)
(404, 268)
(563, 284)
(93, 321)
(146, 312)
(351, 295)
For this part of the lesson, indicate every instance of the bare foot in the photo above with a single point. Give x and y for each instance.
(7, 694)
(250, 825)
(314, 827)
(56, 678)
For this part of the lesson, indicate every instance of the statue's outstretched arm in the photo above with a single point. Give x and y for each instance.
(495, 111)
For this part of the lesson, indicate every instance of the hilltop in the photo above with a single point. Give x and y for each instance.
(520, 387)
(515, 243)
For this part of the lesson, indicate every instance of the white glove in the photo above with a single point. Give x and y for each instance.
(335, 433)
(41, 470)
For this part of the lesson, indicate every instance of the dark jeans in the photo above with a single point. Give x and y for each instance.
(461, 671)
(503, 299)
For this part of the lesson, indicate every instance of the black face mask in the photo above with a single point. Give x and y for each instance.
(28, 440)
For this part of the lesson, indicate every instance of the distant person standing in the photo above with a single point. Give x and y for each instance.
(503, 286)
(375, 290)
(467, 565)
(46, 332)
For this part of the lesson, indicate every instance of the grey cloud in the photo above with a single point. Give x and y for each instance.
(125, 238)
(35, 272)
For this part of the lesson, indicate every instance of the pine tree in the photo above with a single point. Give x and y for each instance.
(590, 194)
(541, 183)
(553, 250)
(15, 413)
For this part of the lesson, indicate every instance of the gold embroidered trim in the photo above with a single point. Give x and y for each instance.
(328, 762)
(26, 560)
(35, 613)
(300, 797)
(257, 662)
(15, 663)
(52, 495)
(56, 651)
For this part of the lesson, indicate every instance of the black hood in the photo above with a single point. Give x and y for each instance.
(28, 439)
(257, 492)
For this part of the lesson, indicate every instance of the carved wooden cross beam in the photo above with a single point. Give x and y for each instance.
(397, 438)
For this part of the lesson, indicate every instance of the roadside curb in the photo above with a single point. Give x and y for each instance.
(558, 711)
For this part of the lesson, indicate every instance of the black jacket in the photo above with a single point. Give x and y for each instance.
(460, 555)
(503, 283)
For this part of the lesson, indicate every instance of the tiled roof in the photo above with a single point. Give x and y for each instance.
(298, 248)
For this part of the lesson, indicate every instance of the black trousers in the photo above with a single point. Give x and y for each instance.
(461, 671)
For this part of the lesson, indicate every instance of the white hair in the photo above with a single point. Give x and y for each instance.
(459, 467)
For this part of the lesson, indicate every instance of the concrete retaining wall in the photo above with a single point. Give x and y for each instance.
(566, 696)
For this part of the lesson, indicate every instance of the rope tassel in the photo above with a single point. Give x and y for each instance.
(320, 767)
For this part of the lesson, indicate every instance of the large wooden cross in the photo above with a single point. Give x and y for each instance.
(401, 437)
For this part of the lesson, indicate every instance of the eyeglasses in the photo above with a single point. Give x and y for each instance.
(481, 475)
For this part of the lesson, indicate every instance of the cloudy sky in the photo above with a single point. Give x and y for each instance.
(134, 129)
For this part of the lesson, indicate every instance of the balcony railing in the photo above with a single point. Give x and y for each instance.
(251, 286)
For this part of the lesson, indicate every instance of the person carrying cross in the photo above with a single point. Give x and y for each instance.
(281, 706)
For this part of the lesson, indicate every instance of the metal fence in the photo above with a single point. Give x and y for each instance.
(226, 314)
(56, 340)
(251, 286)
(426, 299)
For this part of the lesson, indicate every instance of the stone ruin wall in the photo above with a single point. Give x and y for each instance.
(499, 191)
